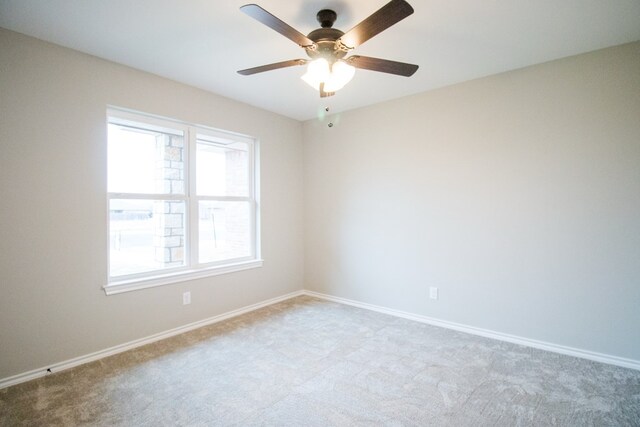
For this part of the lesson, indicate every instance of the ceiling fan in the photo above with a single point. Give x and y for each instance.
(329, 67)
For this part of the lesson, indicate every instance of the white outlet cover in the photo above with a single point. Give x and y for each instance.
(186, 298)
(433, 292)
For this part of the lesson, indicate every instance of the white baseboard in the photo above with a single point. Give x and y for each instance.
(556, 348)
(60, 366)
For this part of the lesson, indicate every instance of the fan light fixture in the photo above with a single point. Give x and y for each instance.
(334, 77)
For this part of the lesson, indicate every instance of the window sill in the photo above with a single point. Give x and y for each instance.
(167, 279)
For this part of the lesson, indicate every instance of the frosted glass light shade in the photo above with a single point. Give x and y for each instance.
(341, 74)
(334, 78)
(317, 72)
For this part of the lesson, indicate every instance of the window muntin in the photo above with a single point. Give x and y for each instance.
(181, 198)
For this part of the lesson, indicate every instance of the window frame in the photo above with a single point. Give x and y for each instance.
(192, 269)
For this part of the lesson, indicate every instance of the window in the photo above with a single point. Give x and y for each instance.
(182, 201)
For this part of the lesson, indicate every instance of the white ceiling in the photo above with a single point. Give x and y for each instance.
(204, 42)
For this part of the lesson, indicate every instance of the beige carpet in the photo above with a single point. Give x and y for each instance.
(315, 363)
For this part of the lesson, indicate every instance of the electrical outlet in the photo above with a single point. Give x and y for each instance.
(186, 298)
(433, 292)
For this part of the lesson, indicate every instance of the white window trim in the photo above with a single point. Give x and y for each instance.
(177, 277)
(193, 269)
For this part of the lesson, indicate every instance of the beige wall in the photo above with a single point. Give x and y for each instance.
(53, 193)
(517, 195)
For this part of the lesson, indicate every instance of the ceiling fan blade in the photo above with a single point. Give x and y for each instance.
(259, 14)
(389, 14)
(382, 65)
(274, 66)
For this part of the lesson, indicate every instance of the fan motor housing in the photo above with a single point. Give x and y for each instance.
(325, 39)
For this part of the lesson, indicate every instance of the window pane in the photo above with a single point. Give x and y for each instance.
(146, 235)
(224, 230)
(222, 170)
(144, 160)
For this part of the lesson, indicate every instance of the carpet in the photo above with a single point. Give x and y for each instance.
(309, 362)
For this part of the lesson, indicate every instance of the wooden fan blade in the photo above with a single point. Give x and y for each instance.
(382, 65)
(389, 14)
(259, 14)
(274, 66)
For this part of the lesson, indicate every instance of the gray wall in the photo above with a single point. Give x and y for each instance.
(518, 195)
(53, 192)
